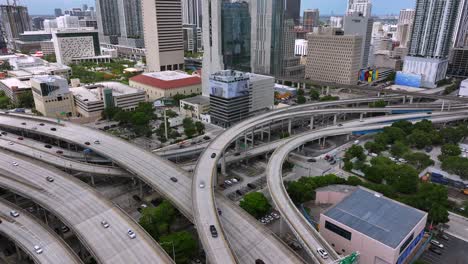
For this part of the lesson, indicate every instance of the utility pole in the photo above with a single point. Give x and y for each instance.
(165, 124)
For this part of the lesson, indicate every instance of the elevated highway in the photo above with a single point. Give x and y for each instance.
(27, 231)
(82, 209)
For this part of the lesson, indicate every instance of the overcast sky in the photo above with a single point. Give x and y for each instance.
(380, 7)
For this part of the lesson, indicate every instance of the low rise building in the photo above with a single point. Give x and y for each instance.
(13, 87)
(77, 44)
(463, 88)
(429, 71)
(52, 96)
(195, 107)
(91, 100)
(381, 230)
(28, 66)
(166, 84)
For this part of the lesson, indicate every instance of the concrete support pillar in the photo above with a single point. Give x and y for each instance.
(304, 86)
(328, 90)
(361, 116)
(312, 122)
(335, 119)
(18, 253)
(443, 104)
(348, 137)
(323, 91)
(411, 99)
(449, 106)
(141, 188)
(237, 145)
(245, 141)
(261, 133)
(223, 165)
(269, 132)
(378, 94)
(404, 99)
(92, 181)
(290, 126)
(323, 141)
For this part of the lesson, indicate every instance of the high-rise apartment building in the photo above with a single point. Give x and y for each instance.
(355, 23)
(363, 6)
(434, 24)
(164, 40)
(293, 10)
(311, 19)
(405, 25)
(192, 12)
(236, 26)
(461, 29)
(15, 20)
(333, 57)
(120, 22)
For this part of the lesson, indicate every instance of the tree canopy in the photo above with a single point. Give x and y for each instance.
(256, 204)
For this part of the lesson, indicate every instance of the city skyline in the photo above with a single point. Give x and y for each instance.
(337, 7)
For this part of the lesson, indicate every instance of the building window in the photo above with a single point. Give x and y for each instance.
(410, 238)
(338, 230)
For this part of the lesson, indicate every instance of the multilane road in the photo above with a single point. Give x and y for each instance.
(27, 232)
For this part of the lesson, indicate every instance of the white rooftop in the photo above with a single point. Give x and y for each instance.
(90, 93)
(12, 82)
(168, 75)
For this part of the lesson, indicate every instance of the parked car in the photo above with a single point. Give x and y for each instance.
(65, 229)
(234, 180)
(206, 138)
(97, 142)
(228, 182)
(322, 253)
(59, 152)
(87, 143)
(136, 198)
(444, 237)
(214, 232)
(437, 243)
(251, 185)
(435, 250)
(239, 192)
(20, 138)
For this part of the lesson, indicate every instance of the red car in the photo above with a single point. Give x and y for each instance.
(20, 138)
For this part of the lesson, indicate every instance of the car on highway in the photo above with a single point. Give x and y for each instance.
(20, 138)
(97, 142)
(59, 152)
(435, 250)
(206, 138)
(136, 198)
(174, 179)
(219, 211)
(311, 160)
(50, 179)
(41, 124)
(4, 133)
(23, 123)
(437, 243)
(202, 184)
(87, 143)
(14, 213)
(213, 231)
(65, 229)
(340, 125)
(228, 182)
(259, 261)
(37, 249)
(322, 253)
(444, 237)
(53, 129)
(15, 163)
(213, 155)
(105, 224)
(11, 143)
(131, 234)
(47, 146)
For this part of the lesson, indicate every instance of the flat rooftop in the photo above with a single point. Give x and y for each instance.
(91, 92)
(12, 82)
(200, 99)
(376, 216)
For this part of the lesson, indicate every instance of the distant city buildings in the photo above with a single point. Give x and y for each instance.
(14, 21)
(336, 22)
(461, 29)
(58, 12)
(405, 26)
(192, 38)
(162, 23)
(293, 11)
(311, 19)
(52, 96)
(334, 57)
(192, 12)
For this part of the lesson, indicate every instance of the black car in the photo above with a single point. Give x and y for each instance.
(220, 212)
(239, 192)
(53, 129)
(259, 261)
(213, 155)
(206, 138)
(41, 124)
(4, 133)
(174, 179)
(213, 231)
(87, 143)
(136, 198)
(312, 160)
(47, 146)
(251, 185)
(435, 250)
(428, 149)
(23, 123)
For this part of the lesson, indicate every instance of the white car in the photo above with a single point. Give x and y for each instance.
(11, 143)
(38, 249)
(228, 182)
(234, 180)
(15, 163)
(97, 142)
(202, 184)
(322, 253)
(402, 160)
(105, 224)
(14, 213)
(392, 159)
(131, 234)
(437, 243)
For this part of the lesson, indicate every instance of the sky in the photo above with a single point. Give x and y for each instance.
(380, 7)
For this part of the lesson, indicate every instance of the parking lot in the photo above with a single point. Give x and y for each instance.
(454, 252)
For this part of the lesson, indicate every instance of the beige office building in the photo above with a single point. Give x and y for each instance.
(333, 57)
(164, 40)
(52, 96)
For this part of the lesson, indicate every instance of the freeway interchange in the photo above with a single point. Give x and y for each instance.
(241, 238)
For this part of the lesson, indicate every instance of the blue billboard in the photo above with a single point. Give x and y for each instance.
(408, 79)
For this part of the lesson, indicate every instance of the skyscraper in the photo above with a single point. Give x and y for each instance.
(311, 19)
(164, 39)
(363, 6)
(58, 12)
(356, 23)
(461, 30)
(293, 10)
(405, 25)
(236, 28)
(192, 12)
(120, 22)
(433, 29)
(15, 20)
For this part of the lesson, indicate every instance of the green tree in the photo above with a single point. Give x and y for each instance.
(26, 100)
(424, 125)
(374, 147)
(399, 149)
(200, 127)
(185, 246)
(452, 134)
(451, 150)
(432, 198)
(405, 125)
(256, 204)
(354, 181)
(355, 151)
(419, 139)
(301, 99)
(394, 134)
(378, 104)
(419, 160)
(300, 92)
(4, 101)
(189, 127)
(50, 58)
(157, 220)
(300, 192)
(314, 94)
(407, 179)
(455, 165)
